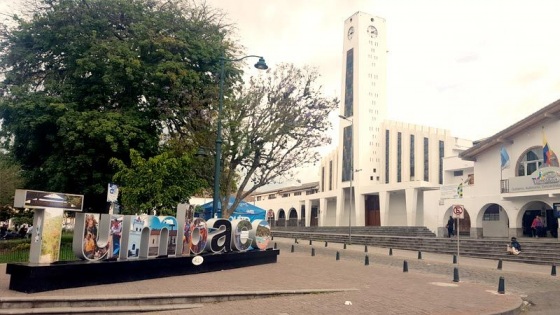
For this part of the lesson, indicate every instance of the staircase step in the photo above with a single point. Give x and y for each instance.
(533, 251)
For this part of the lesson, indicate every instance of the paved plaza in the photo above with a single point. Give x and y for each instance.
(378, 288)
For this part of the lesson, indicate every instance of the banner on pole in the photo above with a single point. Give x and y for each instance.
(112, 192)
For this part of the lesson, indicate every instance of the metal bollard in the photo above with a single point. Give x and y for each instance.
(405, 266)
(553, 271)
(344, 245)
(275, 245)
(366, 261)
(454, 258)
(365, 249)
(312, 251)
(337, 256)
(390, 252)
(326, 244)
(292, 248)
(295, 240)
(502, 286)
(310, 242)
(500, 264)
(419, 255)
(455, 274)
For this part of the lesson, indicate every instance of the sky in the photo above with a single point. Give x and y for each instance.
(474, 67)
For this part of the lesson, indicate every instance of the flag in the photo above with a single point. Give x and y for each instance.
(504, 157)
(549, 157)
(460, 190)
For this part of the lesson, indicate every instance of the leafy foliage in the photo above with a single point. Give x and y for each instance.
(11, 179)
(159, 183)
(88, 80)
(272, 127)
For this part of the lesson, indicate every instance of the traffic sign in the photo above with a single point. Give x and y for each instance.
(458, 211)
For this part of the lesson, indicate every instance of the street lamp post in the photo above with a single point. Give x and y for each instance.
(351, 177)
(261, 65)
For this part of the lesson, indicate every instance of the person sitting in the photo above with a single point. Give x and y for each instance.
(514, 247)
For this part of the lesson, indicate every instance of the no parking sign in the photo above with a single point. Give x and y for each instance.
(458, 212)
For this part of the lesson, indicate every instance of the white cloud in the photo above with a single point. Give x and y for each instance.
(471, 66)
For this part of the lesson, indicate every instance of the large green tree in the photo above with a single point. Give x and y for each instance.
(88, 80)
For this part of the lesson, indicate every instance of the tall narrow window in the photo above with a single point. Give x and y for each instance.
(426, 160)
(330, 175)
(411, 157)
(441, 155)
(323, 178)
(387, 156)
(349, 84)
(347, 154)
(399, 157)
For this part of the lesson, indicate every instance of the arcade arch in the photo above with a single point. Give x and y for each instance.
(464, 224)
(292, 221)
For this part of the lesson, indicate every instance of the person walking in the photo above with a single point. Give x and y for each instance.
(537, 226)
(449, 226)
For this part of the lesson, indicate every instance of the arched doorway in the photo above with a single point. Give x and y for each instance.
(495, 221)
(292, 221)
(464, 224)
(281, 218)
(270, 217)
(530, 211)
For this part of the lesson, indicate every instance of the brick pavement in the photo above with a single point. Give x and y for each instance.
(382, 287)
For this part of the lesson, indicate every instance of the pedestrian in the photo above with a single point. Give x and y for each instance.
(514, 247)
(537, 226)
(449, 226)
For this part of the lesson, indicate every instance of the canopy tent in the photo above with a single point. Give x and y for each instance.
(244, 210)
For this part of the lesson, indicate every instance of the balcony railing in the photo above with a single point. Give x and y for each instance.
(504, 186)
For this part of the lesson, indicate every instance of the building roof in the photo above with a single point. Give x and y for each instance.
(505, 136)
(301, 187)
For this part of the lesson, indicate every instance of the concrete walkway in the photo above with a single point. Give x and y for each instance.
(378, 288)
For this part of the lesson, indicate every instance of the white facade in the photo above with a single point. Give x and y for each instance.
(411, 175)
(503, 202)
(393, 163)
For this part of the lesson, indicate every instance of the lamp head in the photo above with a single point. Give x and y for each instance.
(261, 64)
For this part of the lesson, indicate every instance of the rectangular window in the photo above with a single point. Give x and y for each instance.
(258, 198)
(387, 156)
(426, 160)
(285, 195)
(399, 156)
(298, 193)
(457, 173)
(272, 196)
(441, 155)
(411, 157)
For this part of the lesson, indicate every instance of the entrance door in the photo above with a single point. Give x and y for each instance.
(373, 214)
(314, 217)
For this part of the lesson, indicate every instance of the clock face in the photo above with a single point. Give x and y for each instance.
(350, 32)
(372, 31)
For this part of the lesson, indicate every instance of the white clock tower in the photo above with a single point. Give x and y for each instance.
(363, 101)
